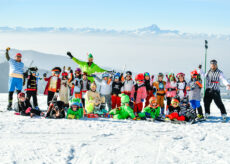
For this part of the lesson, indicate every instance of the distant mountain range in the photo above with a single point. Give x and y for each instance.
(152, 30)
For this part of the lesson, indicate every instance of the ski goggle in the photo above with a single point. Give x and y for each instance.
(116, 77)
(147, 74)
(56, 72)
(213, 62)
(75, 106)
(175, 103)
(33, 72)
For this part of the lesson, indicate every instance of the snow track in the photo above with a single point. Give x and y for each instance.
(26, 140)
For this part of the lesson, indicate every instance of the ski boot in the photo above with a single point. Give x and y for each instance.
(9, 107)
(224, 118)
(207, 115)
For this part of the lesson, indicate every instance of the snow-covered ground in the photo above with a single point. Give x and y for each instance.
(26, 140)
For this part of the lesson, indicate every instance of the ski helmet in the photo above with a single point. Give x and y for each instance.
(117, 75)
(146, 74)
(128, 73)
(175, 100)
(214, 62)
(33, 69)
(160, 74)
(180, 75)
(153, 100)
(124, 98)
(18, 55)
(76, 102)
(193, 73)
(78, 70)
(105, 75)
(140, 77)
(56, 69)
(20, 95)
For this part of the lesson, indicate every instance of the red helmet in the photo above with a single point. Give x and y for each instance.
(20, 95)
(18, 55)
(140, 77)
(64, 74)
(180, 75)
(194, 73)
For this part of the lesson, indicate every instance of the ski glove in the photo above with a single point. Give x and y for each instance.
(142, 100)
(147, 114)
(132, 99)
(70, 55)
(200, 66)
(93, 75)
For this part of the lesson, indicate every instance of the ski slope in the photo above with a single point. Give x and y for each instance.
(25, 140)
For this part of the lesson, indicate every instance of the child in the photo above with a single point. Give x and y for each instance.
(77, 84)
(128, 84)
(75, 111)
(116, 90)
(181, 85)
(123, 112)
(174, 111)
(138, 93)
(105, 89)
(64, 90)
(160, 87)
(85, 86)
(171, 88)
(24, 107)
(152, 110)
(149, 87)
(93, 100)
(56, 109)
(194, 88)
(186, 110)
(32, 87)
(54, 84)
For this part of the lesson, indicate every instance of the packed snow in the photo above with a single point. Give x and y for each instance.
(38, 140)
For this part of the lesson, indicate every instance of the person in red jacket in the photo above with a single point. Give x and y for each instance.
(138, 93)
(53, 84)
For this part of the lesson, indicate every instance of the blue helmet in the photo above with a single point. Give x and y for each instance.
(117, 75)
(105, 75)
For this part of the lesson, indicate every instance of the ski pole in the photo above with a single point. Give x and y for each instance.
(205, 68)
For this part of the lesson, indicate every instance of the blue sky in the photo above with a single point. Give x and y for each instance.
(196, 16)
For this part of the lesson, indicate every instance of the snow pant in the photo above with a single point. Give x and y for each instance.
(50, 97)
(116, 101)
(149, 95)
(107, 102)
(10, 98)
(175, 115)
(213, 95)
(160, 101)
(33, 94)
(31, 111)
(127, 93)
(138, 107)
(169, 99)
(196, 105)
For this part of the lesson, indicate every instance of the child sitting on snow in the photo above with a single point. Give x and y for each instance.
(75, 111)
(152, 110)
(24, 107)
(186, 110)
(93, 100)
(56, 109)
(174, 110)
(124, 111)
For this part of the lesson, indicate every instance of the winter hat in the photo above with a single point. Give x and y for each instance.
(214, 62)
(85, 73)
(160, 75)
(90, 56)
(129, 73)
(194, 73)
(140, 77)
(105, 75)
(146, 74)
(180, 75)
(75, 102)
(56, 69)
(78, 70)
(18, 55)
(124, 98)
(33, 69)
(117, 75)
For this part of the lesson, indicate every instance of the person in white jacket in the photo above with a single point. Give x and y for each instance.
(127, 84)
(212, 92)
(105, 89)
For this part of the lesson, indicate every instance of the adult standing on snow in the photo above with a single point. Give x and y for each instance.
(89, 67)
(212, 92)
(15, 76)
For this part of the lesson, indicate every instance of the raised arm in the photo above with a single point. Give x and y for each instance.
(79, 62)
(7, 54)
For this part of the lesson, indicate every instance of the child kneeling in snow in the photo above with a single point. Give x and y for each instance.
(186, 110)
(93, 101)
(152, 110)
(56, 109)
(174, 110)
(24, 107)
(75, 111)
(124, 111)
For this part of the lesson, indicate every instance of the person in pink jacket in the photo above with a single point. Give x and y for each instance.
(138, 93)
(171, 88)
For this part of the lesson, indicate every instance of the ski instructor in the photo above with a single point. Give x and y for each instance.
(15, 76)
(89, 67)
(212, 92)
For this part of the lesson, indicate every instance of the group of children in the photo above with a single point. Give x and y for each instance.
(72, 95)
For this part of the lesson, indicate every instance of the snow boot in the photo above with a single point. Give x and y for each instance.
(224, 118)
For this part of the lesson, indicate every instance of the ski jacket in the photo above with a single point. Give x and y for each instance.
(64, 91)
(150, 112)
(174, 110)
(171, 89)
(127, 86)
(58, 85)
(74, 114)
(116, 88)
(122, 112)
(160, 87)
(77, 85)
(105, 88)
(138, 93)
(93, 68)
(31, 83)
(181, 89)
(195, 90)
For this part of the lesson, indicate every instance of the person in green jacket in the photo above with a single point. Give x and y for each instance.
(76, 110)
(125, 111)
(89, 67)
(152, 110)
